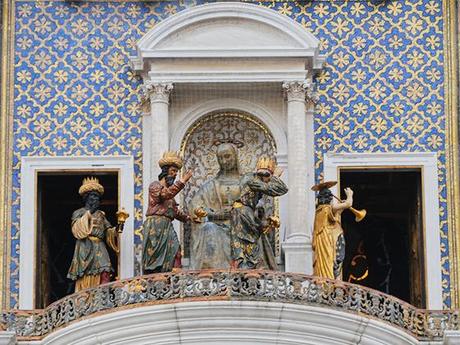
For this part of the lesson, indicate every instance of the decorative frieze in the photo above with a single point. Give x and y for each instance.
(231, 285)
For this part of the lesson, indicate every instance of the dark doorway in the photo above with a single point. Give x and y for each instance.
(57, 199)
(385, 250)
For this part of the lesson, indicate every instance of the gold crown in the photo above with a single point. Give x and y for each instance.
(170, 158)
(91, 184)
(266, 163)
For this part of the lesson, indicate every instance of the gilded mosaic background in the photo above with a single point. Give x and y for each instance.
(381, 91)
(201, 145)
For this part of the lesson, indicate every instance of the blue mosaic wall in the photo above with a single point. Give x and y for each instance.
(381, 90)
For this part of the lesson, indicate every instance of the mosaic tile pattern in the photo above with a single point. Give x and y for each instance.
(381, 90)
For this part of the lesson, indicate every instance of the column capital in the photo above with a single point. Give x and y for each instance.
(312, 94)
(296, 90)
(157, 92)
(300, 90)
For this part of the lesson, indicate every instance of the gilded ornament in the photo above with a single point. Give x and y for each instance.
(91, 184)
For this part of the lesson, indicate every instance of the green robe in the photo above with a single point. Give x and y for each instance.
(90, 255)
(249, 244)
(161, 244)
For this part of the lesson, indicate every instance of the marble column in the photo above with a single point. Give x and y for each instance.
(301, 203)
(155, 135)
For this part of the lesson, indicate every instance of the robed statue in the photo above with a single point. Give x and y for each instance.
(211, 208)
(251, 218)
(161, 248)
(91, 262)
(231, 210)
(328, 238)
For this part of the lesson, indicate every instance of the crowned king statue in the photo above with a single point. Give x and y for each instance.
(161, 248)
(250, 219)
(91, 262)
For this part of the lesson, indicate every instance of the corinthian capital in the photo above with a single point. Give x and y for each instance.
(157, 92)
(295, 90)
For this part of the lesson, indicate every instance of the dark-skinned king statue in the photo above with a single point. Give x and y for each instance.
(91, 262)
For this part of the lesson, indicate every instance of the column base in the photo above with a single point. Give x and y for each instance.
(8, 338)
(451, 338)
(298, 254)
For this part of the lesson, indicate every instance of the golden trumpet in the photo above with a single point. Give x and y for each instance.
(359, 214)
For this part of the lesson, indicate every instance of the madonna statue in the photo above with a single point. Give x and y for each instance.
(212, 206)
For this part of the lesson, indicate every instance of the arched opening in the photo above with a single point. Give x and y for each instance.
(251, 137)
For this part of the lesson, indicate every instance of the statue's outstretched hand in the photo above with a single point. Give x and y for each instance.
(348, 192)
(188, 174)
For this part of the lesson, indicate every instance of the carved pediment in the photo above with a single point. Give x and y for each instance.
(227, 34)
(227, 30)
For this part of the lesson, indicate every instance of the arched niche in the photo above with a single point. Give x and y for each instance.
(252, 140)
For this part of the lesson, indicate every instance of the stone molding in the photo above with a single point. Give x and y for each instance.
(7, 338)
(170, 38)
(296, 90)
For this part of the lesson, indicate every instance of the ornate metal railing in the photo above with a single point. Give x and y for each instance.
(231, 285)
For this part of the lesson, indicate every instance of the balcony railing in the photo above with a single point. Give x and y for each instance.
(230, 285)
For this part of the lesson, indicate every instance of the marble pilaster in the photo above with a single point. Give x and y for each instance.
(301, 202)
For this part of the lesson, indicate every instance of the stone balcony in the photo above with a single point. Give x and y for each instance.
(224, 307)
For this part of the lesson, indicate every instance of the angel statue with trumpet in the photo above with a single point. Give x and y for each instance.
(328, 239)
(91, 262)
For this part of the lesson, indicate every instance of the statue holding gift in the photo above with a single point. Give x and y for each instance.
(161, 248)
(91, 262)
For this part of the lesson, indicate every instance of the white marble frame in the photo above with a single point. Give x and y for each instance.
(427, 162)
(30, 166)
(169, 55)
